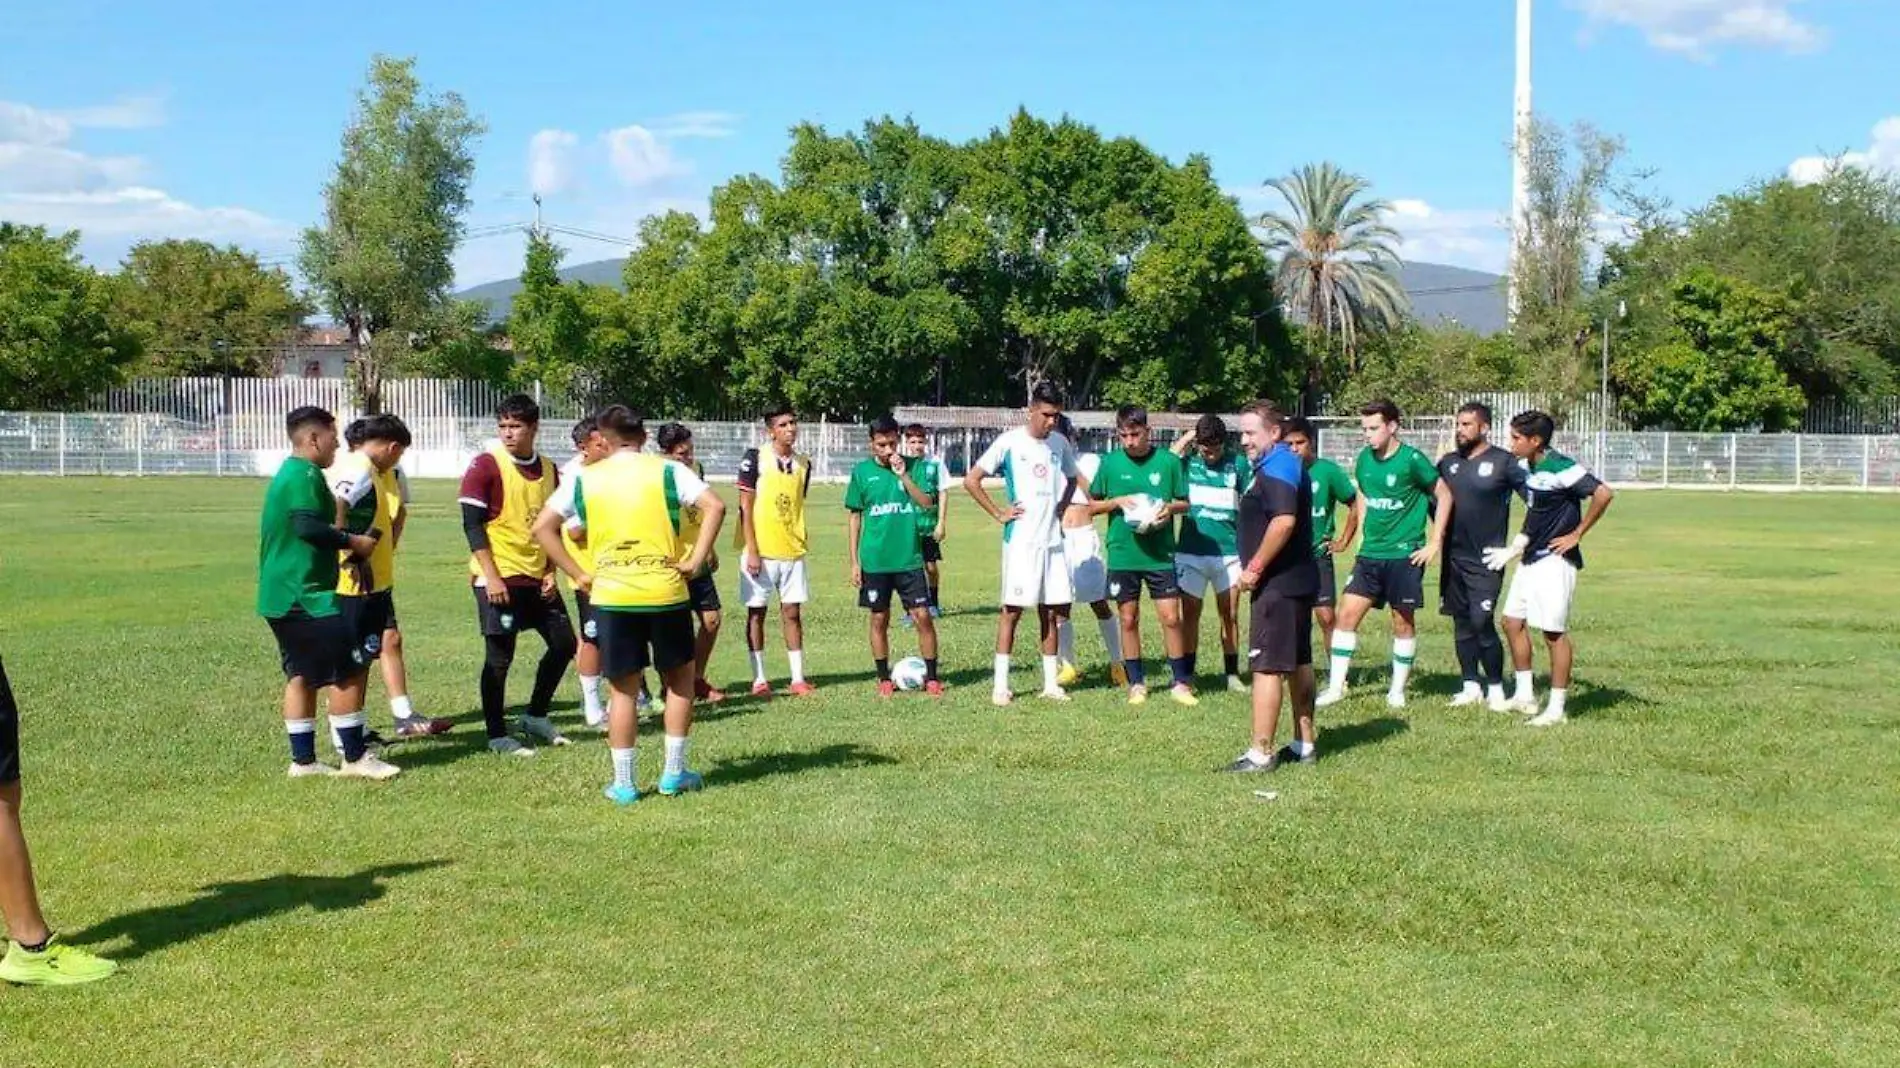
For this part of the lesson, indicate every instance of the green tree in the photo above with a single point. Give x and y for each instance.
(1569, 180)
(548, 323)
(59, 341)
(205, 310)
(457, 341)
(1718, 370)
(392, 214)
(1430, 369)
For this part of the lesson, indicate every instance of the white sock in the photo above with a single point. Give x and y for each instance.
(1111, 638)
(1496, 694)
(1555, 706)
(758, 666)
(400, 707)
(1002, 672)
(623, 765)
(1065, 641)
(675, 754)
(1302, 748)
(798, 664)
(1404, 651)
(1258, 755)
(1525, 688)
(1051, 667)
(1344, 642)
(1472, 690)
(591, 706)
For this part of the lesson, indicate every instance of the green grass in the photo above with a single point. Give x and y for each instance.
(1700, 869)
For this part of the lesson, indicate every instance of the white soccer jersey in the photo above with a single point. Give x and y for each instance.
(1087, 464)
(1036, 474)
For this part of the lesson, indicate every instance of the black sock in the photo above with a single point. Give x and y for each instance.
(884, 670)
(303, 747)
(1232, 662)
(494, 686)
(39, 947)
(1465, 639)
(1136, 676)
(1491, 654)
(1183, 667)
(1193, 661)
(930, 670)
(933, 596)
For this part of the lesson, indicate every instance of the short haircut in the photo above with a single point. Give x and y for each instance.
(383, 427)
(1046, 392)
(353, 434)
(916, 430)
(1382, 408)
(520, 407)
(1065, 426)
(1534, 424)
(774, 412)
(1268, 412)
(672, 436)
(622, 422)
(1477, 408)
(1210, 430)
(308, 417)
(1129, 416)
(883, 425)
(586, 428)
(1298, 424)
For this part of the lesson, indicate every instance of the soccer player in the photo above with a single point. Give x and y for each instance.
(35, 956)
(503, 491)
(1541, 590)
(1481, 478)
(1038, 469)
(1088, 571)
(371, 494)
(1207, 557)
(934, 525)
(1331, 487)
(297, 574)
(772, 489)
(1142, 489)
(629, 506)
(1276, 540)
(887, 559)
(1396, 485)
(676, 443)
(590, 447)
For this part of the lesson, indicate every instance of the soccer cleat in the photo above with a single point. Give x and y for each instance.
(1118, 674)
(371, 740)
(1053, 693)
(421, 727)
(886, 688)
(1286, 755)
(509, 747)
(1500, 703)
(621, 795)
(1245, 765)
(1523, 704)
(761, 689)
(312, 770)
(935, 612)
(1329, 697)
(1548, 718)
(1470, 695)
(1138, 694)
(933, 688)
(370, 767)
(1068, 674)
(801, 688)
(703, 690)
(1182, 694)
(56, 964)
(542, 729)
(1001, 698)
(1236, 685)
(1395, 699)
(674, 783)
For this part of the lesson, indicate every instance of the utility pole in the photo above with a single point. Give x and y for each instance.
(538, 230)
(1520, 151)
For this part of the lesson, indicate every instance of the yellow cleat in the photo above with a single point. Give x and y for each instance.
(1068, 676)
(1118, 674)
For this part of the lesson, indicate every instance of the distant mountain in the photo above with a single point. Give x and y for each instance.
(1440, 294)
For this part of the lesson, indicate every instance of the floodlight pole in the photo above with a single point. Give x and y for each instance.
(1520, 151)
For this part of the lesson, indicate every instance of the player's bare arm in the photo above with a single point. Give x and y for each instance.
(854, 529)
(901, 469)
(1441, 522)
(1348, 529)
(973, 484)
(712, 515)
(1600, 500)
(547, 534)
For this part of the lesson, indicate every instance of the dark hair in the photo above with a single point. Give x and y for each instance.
(1382, 408)
(1130, 415)
(306, 417)
(585, 428)
(1046, 393)
(916, 430)
(1065, 426)
(353, 434)
(519, 406)
(883, 425)
(1209, 430)
(1268, 413)
(773, 412)
(1477, 408)
(1298, 424)
(672, 436)
(382, 427)
(621, 422)
(1534, 424)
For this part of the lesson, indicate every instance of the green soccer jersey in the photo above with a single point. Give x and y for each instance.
(1214, 504)
(292, 573)
(1331, 488)
(1159, 475)
(888, 543)
(1398, 492)
(928, 474)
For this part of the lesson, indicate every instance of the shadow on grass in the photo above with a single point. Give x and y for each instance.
(1334, 740)
(222, 906)
(752, 768)
(1597, 699)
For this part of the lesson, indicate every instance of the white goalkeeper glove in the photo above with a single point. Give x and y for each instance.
(1497, 559)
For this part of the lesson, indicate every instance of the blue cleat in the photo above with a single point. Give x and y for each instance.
(621, 795)
(674, 783)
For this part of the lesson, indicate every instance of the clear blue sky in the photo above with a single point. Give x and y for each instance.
(131, 120)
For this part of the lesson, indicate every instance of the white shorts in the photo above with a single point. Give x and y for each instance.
(1088, 569)
(1540, 594)
(1034, 575)
(785, 578)
(1196, 574)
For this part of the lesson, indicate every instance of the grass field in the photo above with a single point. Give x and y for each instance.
(1702, 868)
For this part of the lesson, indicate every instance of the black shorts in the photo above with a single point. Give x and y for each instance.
(1328, 580)
(1279, 633)
(590, 626)
(933, 550)
(1124, 587)
(320, 650)
(526, 610)
(631, 642)
(1399, 583)
(880, 589)
(9, 731)
(369, 616)
(703, 592)
(1468, 590)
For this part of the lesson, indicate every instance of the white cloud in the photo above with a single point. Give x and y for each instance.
(712, 124)
(23, 125)
(551, 161)
(29, 168)
(640, 158)
(125, 113)
(1696, 28)
(1882, 154)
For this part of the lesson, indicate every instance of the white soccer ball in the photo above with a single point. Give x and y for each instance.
(1141, 511)
(908, 673)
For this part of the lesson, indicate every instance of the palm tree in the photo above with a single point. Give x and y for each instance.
(1336, 265)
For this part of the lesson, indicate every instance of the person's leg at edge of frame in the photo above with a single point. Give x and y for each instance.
(34, 955)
